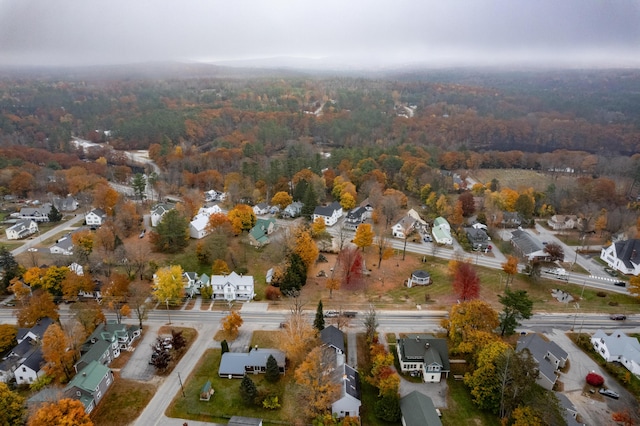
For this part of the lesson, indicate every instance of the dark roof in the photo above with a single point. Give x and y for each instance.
(538, 347)
(476, 234)
(35, 361)
(420, 274)
(38, 329)
(327, 210)
(525, 242)
(628, 252)
(418, 410)
(426, 348)
(352, 381)
(333, 337)
(356, 214)
(23, 347)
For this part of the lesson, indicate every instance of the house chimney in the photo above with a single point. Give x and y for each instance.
(84, 374)
(426, 345)
(417, 338)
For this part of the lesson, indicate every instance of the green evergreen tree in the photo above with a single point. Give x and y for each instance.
(517, 306)
(9, 266)
(295, 276)
(139, 185)
(248, 390)
(318, 323)
(272, 373)
(310, 201)
(387, 408)
(224, 347)
(54, 215)
(171, 234)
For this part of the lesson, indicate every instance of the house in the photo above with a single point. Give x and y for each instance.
(422, 224)
(30, 367)
(549, 356)
(478, 238)
(95, 217)
(418, 410)
(528, 247)
(425, 354)
(442, 231)
(332, 337)
(259, 234)
(120, 336)
(238, 364)
(100, 351)
(569, 411)
(355, 217)
(261, 209)
(293, 210)
(349, 401)
(244, 421)
(213, 195)
(419, 277)
(22, 229)
(200, 222)
(623, 256)
(232, 287)
(559, 222)
(158, 211)
(66, 204)
(618, 347)
(404, 227)
(36, 332)
(63, 246)
(511, 220)
(90, 385)
(330, 213)
(39, 214)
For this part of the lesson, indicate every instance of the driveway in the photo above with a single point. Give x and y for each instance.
(593, 408)
(138, 367)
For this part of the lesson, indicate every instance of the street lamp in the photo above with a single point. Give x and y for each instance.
(168, 314)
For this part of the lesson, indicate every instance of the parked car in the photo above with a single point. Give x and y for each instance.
(610, 272)
(620, 283)
(609, 393)
(144, 231)
(618, 317)
(331, 314)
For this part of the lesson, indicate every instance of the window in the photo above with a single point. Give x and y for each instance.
(24, 370)
(98, 395)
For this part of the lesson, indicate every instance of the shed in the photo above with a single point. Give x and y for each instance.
(419, 277)
(206, 392)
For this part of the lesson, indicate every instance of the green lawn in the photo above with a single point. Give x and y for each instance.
(226, 401)
(462, 411)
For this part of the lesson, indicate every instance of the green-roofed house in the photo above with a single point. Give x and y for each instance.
(90, 385)
(425, 354)
(418, 410)
(259, 234)
(442, 231)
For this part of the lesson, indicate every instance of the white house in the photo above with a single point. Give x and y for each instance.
(261, 209)
(420, 222)
(404, 227)
(330, 213)
(158, 211)
(349, 402)
(22, 229)
(96, 217)
(232, 287)
(442, 231)
(623, 256)
(559, 222)
(293, 210)
(30, 368)
(63, 246)
(618, 347)
(39, 214)
(198, 226)
(425, 354)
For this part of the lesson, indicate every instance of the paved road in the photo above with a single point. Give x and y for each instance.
(66, 225)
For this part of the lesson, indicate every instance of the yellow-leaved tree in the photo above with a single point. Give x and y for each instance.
(231, 324)
(168, 287)
(364, 236)
(510, 267)
(281, 199)
(305, 247)
(315, 378)
(57, 353)
(64, 412)
(242, 218)
(471, 325)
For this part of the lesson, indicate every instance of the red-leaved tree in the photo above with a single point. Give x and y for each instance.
(466, 282)
(595, 379)
(351, 264)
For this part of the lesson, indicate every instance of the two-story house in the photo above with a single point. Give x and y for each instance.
(330, 213)
(404, 227)
(425, 354)
(623, 256)
(618, 347)
(22, 229)
(199, 224)
(95, 218)
(158, 211)
(38, 214)
(549, 356)
(259, 234)
(63, 246)
(261, 209)
(293, 210)
(442, 231)
(90, 385)
(356, 216)
(232, 287)
(65, 204)
(478, 238)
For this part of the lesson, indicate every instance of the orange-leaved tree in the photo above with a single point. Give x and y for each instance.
(63, 412)
(510, 267)
(319, 390)
(305, 247)
(242, 218)
(57, 353)
(231, 324)
(40, 305)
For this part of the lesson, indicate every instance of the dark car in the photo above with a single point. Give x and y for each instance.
(620, 283)
(618, 317)
(609, 393)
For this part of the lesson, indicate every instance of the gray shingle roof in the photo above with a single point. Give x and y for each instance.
(628, 252)
(333, 337)
(425, 348)
(418, 410)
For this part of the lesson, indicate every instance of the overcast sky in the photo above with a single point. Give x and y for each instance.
(368, 32)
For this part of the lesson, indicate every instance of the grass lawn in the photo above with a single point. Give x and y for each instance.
(226, 401)
(462, 411)
(125, 401)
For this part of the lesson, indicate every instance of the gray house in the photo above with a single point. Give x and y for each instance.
(418, 410)
(426, 354)
(549, 356)
(478, 238)
(90, 385)
(237, 364)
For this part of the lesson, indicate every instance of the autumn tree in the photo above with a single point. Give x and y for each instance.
(317, 387)
(382, 246)
(89, 314)
(127, 218)
(318, 227)
(281, 199)
(510, 267)
(219, 223)
(168, 286)
(231, 324)
(73, 284)
(364, 236)
(467, 203)
(105, 198)
(83, 245)
(456, 218)
(220, 267)
(57, 354)
(8, 333)
(63, 412)
(115, 294)
(471, 325)
(12, 407)
(332, 283)
(466, 282)
(517, 306)
(382, 375)
(351, 268)
(555, 252)
(298, 337)
(634, 286)
(242, 218)
(171, 234)
(41, 305)
(305, 247)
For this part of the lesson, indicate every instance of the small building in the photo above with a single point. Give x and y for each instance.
(350, 398)
(22, 229)
(623, 256)
(330, 213)
(332, 337)
(419, 277)
(96, 218)
(67, 204)
(31, 367)
(261, 209)
(63, 246)
(418, 410)
(510, 220)
(259, 234)
(199, 224)
(528, 247)
(238, 364)
(293, 210)
(425, 354)
(158, 211)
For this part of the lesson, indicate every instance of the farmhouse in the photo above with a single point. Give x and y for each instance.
(330, 213)
(618, 347)
(623, 256)
(425, 354)
(22, 229)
